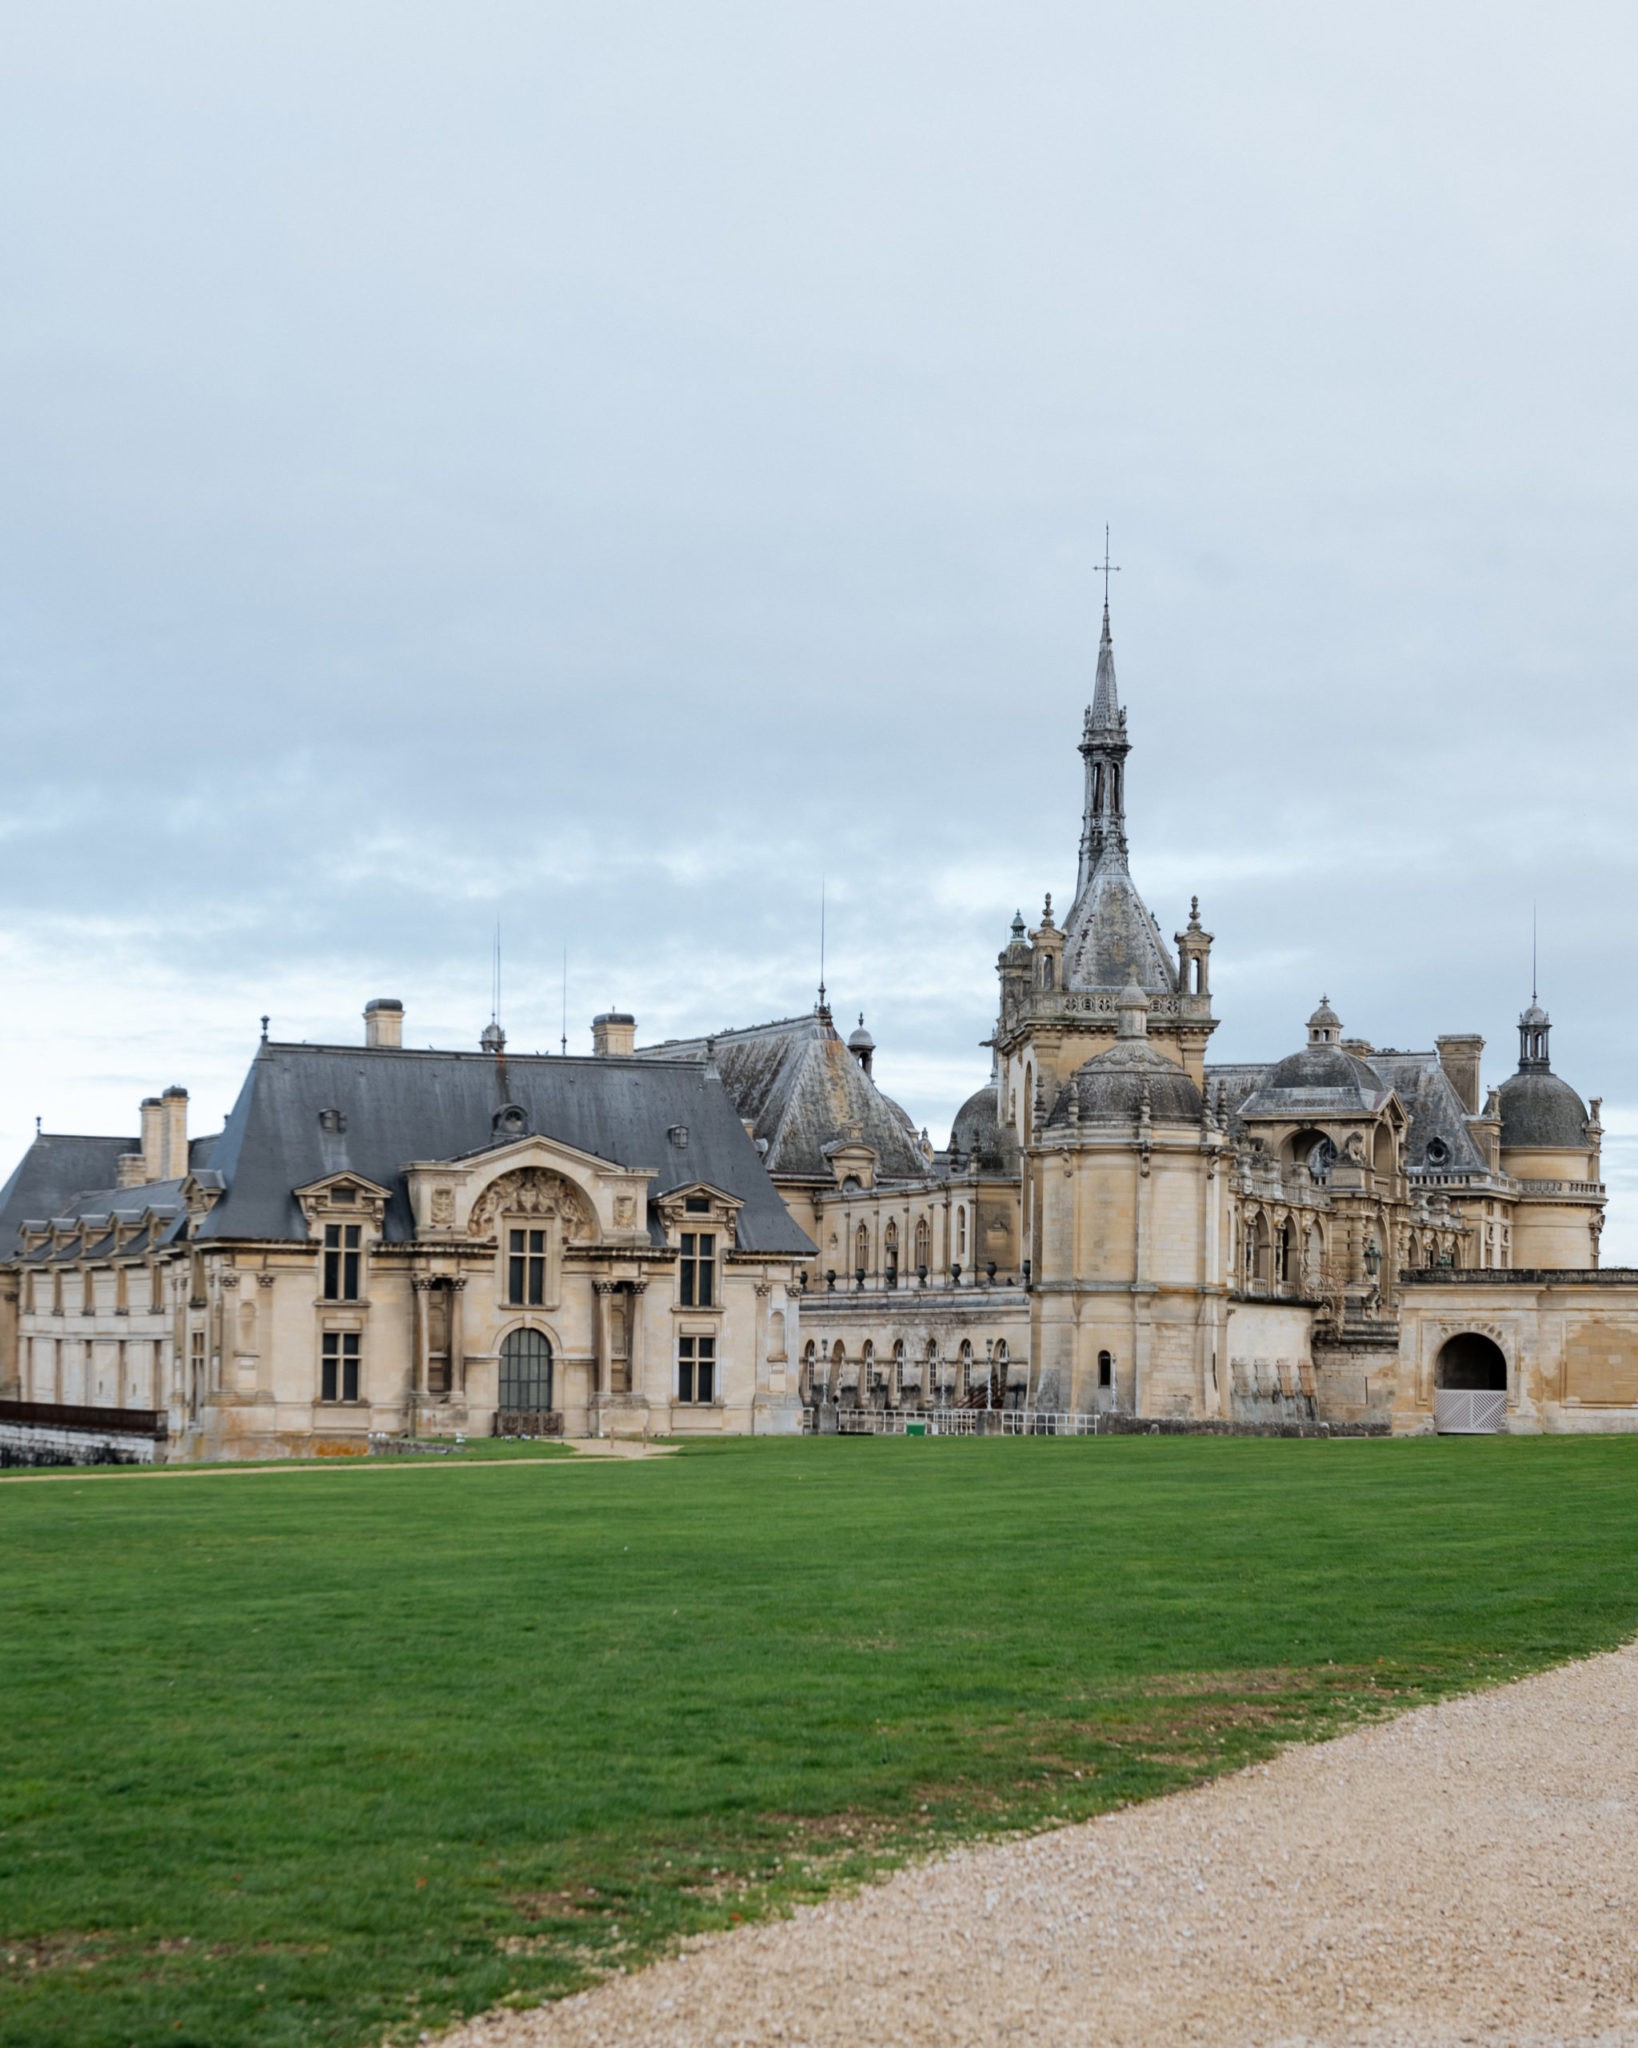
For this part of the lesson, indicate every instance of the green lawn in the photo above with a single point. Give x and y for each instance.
(331, 1756)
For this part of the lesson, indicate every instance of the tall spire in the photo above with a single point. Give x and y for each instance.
(1104, 747)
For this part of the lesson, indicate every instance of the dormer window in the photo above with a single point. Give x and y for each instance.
(342, 1260)
(343, 1192)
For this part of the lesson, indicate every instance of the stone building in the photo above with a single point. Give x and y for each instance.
(383, 1240)
(743, 1232)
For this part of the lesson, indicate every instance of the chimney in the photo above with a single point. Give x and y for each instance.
(613, 1034)
(153, 1143)
(1459, 1055)
(384, 1022)
(173, 1108)
(131, 1170)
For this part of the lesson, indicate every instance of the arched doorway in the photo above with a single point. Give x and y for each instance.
(1470, 1386)
(526, 1373)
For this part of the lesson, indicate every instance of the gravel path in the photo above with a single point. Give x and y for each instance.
(1467, 1873)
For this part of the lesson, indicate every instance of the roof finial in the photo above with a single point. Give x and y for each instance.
(265, 1022)
(824, 1007)
(1109, 569)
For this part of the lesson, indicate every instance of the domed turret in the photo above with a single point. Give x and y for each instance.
(1540, 1112)
(1117, 1085)
(978, 1137)
(862, 1045)
(1322, 1063)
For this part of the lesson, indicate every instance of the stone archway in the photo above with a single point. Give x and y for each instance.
(1470, 1386)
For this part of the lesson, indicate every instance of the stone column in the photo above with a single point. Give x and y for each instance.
(634, 1339)
(420, 1318)
(602, 1348)
(457, 1336)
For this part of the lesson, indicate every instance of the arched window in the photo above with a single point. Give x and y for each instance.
(961, 1232)
(1046, 970)
(861, 1248)
(923, 1241)
(869, 1363)
(890, 1253)
(526, 1371)
(1282, 1254)
(1106, 1369)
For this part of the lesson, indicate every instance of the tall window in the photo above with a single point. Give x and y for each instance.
(697, 1275)
(861, 1249)
(338, 1378)
(1106, 1369)
(696, 1368)
(526, 1371)
(526, 1268)
(341, 1262)
(923, 1242)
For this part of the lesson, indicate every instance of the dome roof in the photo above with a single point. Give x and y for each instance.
(861, 1040)
(1325, 1018)
(1324, 1066)
(977, 1133)
(1112, 1086)
(1538, 1109)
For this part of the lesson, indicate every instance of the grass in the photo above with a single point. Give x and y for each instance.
(314, 1758)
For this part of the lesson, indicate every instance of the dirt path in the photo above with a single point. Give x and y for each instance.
(1468, 1873)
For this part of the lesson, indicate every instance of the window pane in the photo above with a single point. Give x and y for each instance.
(332, 1274)
(526, 1370)
(349, 1368)
(349, 1278)
(706, 1293)
(537, 1282)
(327, 1385)
(537, 1241)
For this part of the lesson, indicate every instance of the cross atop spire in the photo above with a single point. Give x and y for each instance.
(1109, 569)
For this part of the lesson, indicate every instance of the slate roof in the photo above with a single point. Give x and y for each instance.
(75, 1176)
(1539, 1109)
(800, 1089)
(978, 1137)
(1110, 937)
(1434, 1108)
(397, 1106)
(1436, 1112)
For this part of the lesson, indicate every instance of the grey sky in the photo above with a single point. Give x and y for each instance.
(606, 467)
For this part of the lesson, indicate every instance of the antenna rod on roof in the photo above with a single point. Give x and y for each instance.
(494, 984)
(563, 1041)
(1532, 950)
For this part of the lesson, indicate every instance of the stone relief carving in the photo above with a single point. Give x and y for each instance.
(443, 1206)
(532, 1191)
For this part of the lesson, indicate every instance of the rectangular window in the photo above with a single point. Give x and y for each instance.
(341, 1261)
(340, 1377)
(696, 1368)
(526, 1268)
(697, 1275)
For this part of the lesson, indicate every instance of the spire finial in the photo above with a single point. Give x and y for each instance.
(824, 1007)
(1109, 569)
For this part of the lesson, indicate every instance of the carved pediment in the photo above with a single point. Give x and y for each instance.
(533, 1191)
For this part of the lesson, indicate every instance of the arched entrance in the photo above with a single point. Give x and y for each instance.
(1470, 1386)
(525, 1380)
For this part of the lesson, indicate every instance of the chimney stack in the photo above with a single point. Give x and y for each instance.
(173, 1105)
(614, 1034)
(153, 1140)
(384, 1022)
(1459, 1054)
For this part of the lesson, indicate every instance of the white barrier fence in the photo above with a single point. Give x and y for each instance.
(963, 1422)
(1469, 1411)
